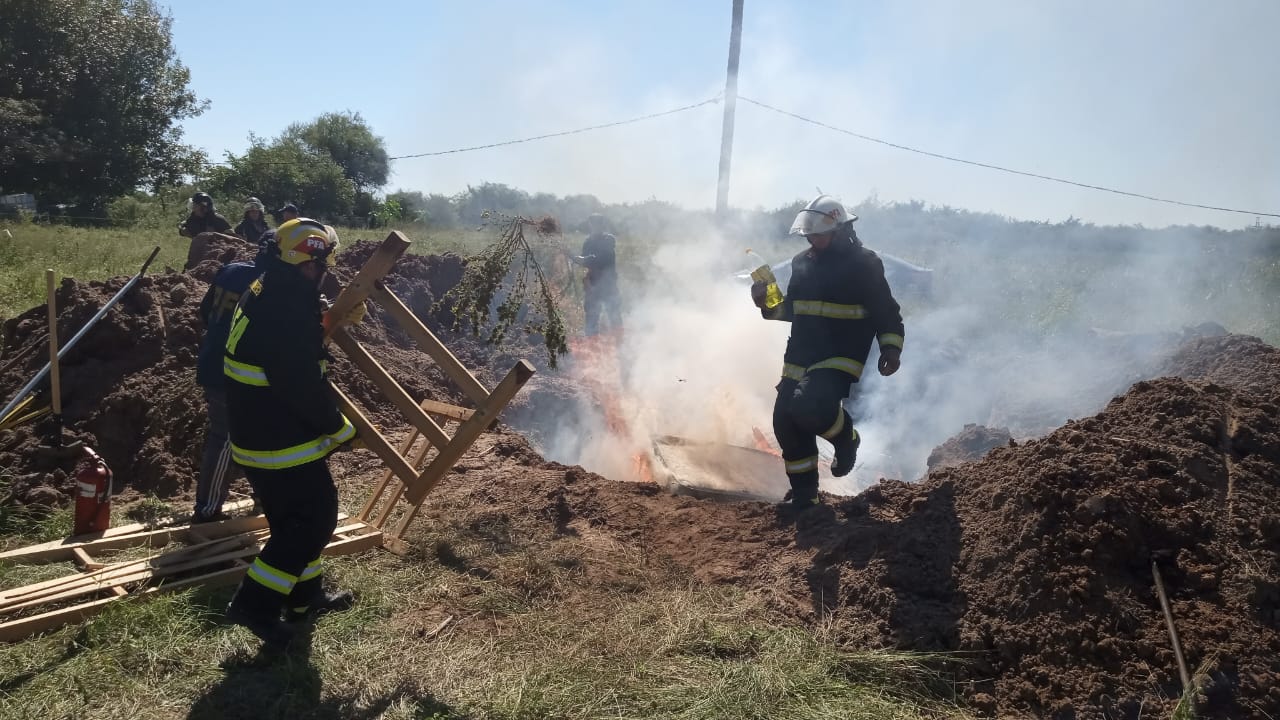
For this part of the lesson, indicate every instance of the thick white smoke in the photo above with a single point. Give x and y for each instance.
(1017, 333)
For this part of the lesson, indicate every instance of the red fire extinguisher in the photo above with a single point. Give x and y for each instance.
(93, 494)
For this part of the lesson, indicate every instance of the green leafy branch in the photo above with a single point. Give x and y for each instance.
(503, 270)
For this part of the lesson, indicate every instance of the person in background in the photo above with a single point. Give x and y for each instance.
(287, 213)
(216, 309)
(254, 223)
(601, 281)
(203, 218)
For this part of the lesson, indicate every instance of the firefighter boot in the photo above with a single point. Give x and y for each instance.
(804, 492)
(846, 447)
(323, 603)
(257, 608)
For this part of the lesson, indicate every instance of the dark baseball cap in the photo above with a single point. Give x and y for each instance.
(289, 207)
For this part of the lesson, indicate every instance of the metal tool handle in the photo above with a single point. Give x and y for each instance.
(55, 378)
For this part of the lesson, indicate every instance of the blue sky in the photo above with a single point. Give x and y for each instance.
(1176, 98)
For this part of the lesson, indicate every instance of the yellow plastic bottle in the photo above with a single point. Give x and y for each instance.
(764, 274)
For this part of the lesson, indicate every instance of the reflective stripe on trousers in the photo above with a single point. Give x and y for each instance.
(796, 467)
(273, 578)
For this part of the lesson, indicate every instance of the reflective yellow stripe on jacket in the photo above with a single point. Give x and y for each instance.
(849, 365)
(828, 310)
(248, 374)
(296, 455)
(890, 340)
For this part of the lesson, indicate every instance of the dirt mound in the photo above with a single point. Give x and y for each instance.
(1236, 360)
(208, 252)
(128, 387)
(1033, 564)
(972, 443)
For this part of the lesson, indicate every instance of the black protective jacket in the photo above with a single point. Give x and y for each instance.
(280, 407)
(837, 301)
(210, 222)
(599, 253)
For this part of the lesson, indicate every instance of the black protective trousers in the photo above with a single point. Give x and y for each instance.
(301, 505)
(805, 410)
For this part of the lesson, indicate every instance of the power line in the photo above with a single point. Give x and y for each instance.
(563, 133)
(503, 143)
(989, 166)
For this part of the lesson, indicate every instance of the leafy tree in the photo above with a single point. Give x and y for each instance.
(349, 140)
(286, 170)
(91, 95)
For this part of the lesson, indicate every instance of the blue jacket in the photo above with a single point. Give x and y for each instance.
(216, 308)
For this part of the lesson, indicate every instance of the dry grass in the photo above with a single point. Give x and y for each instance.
(483, 620)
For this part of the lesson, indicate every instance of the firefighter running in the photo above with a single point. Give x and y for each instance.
(284, 422)
(837, 301)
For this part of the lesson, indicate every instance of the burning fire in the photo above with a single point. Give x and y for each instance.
(762, 443)
(642, 463)
(598, 370)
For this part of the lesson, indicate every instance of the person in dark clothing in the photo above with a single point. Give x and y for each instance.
(287, 212)
(216, 309)
(601, 281)
(253, 224)
(284, 423)
(203, 218)
(837, 302)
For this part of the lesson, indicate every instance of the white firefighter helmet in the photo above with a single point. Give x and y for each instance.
(823, 214)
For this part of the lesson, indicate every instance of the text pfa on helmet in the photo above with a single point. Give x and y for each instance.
(823, 214)
(302, 240)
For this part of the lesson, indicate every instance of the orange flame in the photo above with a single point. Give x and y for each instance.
(762, 442)
(643, 467)
(599, 371)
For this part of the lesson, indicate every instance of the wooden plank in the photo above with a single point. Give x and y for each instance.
(220, 551)
(371, 273)
(445, 410)
(390, 388)
(25, 627)
(104, 575)
(112, 574)
(118, 537)
(417, 490)
(418, 460)
(15, 630)
(371, 502)
(83, 560)
(430, 344)
(61, 550)
(373, 439)
(142, 574)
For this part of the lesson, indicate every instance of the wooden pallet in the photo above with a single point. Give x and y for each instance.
(417, 465)
(218, 553)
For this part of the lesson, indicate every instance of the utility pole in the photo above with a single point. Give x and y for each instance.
(730, 105)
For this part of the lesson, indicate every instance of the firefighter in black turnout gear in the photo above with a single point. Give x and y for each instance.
(284, 422)
(837, 302)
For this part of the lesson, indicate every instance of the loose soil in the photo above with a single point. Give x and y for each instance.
(1032, 565)
(972, 443)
